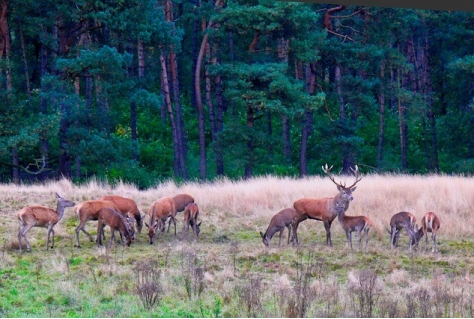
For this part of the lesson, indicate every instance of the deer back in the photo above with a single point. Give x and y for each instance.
(89, 209)
(181, 201)
(40, 216)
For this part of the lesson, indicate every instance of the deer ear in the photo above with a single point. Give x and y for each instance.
(147, 225)
(388, 231)
(57, 196)
(199, 223)
(353, 189)
(262, 235)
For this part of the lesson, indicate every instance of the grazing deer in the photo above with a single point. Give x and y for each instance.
(281, 220)
(89, 210)
(324, 209)
(354, 223)
(159, 212)
(126, 206)
(41, 216)
(430, 223)
(191, 213)
(116, 221)
(399, 221)
(181, 201)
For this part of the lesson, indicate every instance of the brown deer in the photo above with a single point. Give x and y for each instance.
(354, 223)
(430, 223)
(324, 209)
(116, 221)
(126, 206)
(399, 221)
(41, 216)
(159, 212)
(88, 210)
(191, 213)
(281, 220)
(181, 201)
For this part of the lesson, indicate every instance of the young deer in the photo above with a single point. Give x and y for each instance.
(89, 210)
(116, 221)
(324, 209)
(430, 223)
(282, 219)
(41, 216)
(354, 223)
(191, 213)
(399, 221)
(127, 207)
(181, 201)
(159, 212)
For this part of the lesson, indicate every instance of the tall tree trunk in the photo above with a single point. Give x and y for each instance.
(307, 125)
(15, 167)
(44, 143)
(167, 97)
(25, 63)
(219, 125)
(381, 115)
(402, 123)
(250, 143)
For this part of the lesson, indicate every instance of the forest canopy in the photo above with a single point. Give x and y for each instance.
(142, 91)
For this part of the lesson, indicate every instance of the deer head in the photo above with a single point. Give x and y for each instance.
(345, 192)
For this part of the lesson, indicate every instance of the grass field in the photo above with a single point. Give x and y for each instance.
(228, 272)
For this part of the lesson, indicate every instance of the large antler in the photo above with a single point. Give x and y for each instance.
(355, 171)
(357, 175)
(327, 170)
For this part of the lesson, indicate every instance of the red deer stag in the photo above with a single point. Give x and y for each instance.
(159, 212)
(399, 221)
(191, 213)
(41, 216)
(324, 209)
(281, 220)
(181, 201)
(354, 223)
(126, 206)
(116, 221)
(430, 223)
(89, 210)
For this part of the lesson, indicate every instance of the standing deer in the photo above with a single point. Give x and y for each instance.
(88, 210)
(181, 201)
(126, 206)
(191, 213)
(159, 212)
(324, 209)
(430, 223)
(354, 223)
(399, 221)
(116, 221)
(41, 216)
(281, 220)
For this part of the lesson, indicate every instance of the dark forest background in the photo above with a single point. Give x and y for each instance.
(142, 91)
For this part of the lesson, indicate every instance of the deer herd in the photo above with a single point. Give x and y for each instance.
(122, 214)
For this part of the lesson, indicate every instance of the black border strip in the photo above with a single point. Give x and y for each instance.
(446, 5)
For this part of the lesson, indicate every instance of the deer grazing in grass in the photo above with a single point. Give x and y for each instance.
(159, 212)
(41, 216)
(116, 221)
(281, 220)
(324, 209)
(399, 221)
(191, 213)
(126, 206)
(430, 223)
(354, 223)
(88, 210)
(181, 201)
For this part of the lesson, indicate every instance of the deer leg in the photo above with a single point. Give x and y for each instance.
(19, 235)
(366, 238)
(327, 226)
(24, 230)
(78, 229)
(174, 222)
(50, 232)
(281, 234)
(289, 233)
(435, 248)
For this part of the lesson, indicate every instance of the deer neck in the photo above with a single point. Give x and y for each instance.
(60, 210)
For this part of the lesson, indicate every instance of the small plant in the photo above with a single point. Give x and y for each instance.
(148, 287)
(193, 276)
(365, 293)
(250, 293)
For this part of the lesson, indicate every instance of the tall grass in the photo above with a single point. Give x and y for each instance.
(228, 271)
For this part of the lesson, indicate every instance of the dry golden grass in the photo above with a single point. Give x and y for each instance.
(231, 249)
(249, 204)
